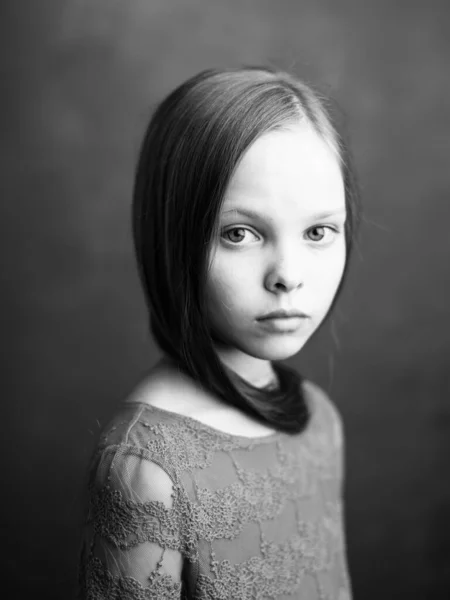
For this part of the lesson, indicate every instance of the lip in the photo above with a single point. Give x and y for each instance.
(282, 324)
(283, 314)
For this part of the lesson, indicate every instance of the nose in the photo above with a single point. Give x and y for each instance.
(285, 275)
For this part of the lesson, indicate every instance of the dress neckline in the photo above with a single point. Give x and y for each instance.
(200, 425)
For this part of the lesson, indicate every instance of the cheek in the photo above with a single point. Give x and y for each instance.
(328, 274)
(221, 291)
(228, 288)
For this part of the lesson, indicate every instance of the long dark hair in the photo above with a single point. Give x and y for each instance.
(191, 148)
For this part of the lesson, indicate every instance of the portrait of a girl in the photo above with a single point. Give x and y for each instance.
(221, 475)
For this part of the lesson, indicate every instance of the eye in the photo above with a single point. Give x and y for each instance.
(318, 233)
(233, 231)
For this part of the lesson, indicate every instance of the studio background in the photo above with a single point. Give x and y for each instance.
(79, 81)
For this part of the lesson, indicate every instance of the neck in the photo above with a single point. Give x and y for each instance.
(257, 372)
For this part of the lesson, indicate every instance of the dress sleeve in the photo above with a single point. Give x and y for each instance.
(133, 546)
(332, 428)
(332, 424)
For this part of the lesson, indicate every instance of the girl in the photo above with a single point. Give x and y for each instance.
(221, 474)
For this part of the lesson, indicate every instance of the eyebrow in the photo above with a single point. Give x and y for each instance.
(255, 215)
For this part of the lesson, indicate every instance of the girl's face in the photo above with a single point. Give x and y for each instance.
(281, 246)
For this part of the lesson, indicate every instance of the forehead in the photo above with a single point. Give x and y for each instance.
(291, 164)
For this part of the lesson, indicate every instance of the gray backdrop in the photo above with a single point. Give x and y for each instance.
(79, 79)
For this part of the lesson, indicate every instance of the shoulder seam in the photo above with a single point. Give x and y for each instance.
(146, 455)
(133, 423)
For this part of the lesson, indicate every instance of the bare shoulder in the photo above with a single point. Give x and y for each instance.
(167, 388)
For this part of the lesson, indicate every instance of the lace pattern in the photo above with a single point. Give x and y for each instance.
(163, 524)
(103, 585)
(125, 524)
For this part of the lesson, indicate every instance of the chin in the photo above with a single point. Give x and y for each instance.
(274, 349)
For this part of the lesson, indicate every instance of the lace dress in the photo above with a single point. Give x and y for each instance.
(178, 509)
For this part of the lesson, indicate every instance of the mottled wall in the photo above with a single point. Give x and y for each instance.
(79, 79)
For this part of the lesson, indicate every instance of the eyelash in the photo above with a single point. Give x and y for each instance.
(318, 242)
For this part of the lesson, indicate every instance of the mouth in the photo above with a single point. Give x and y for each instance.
(283, 324)
(283, 314)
